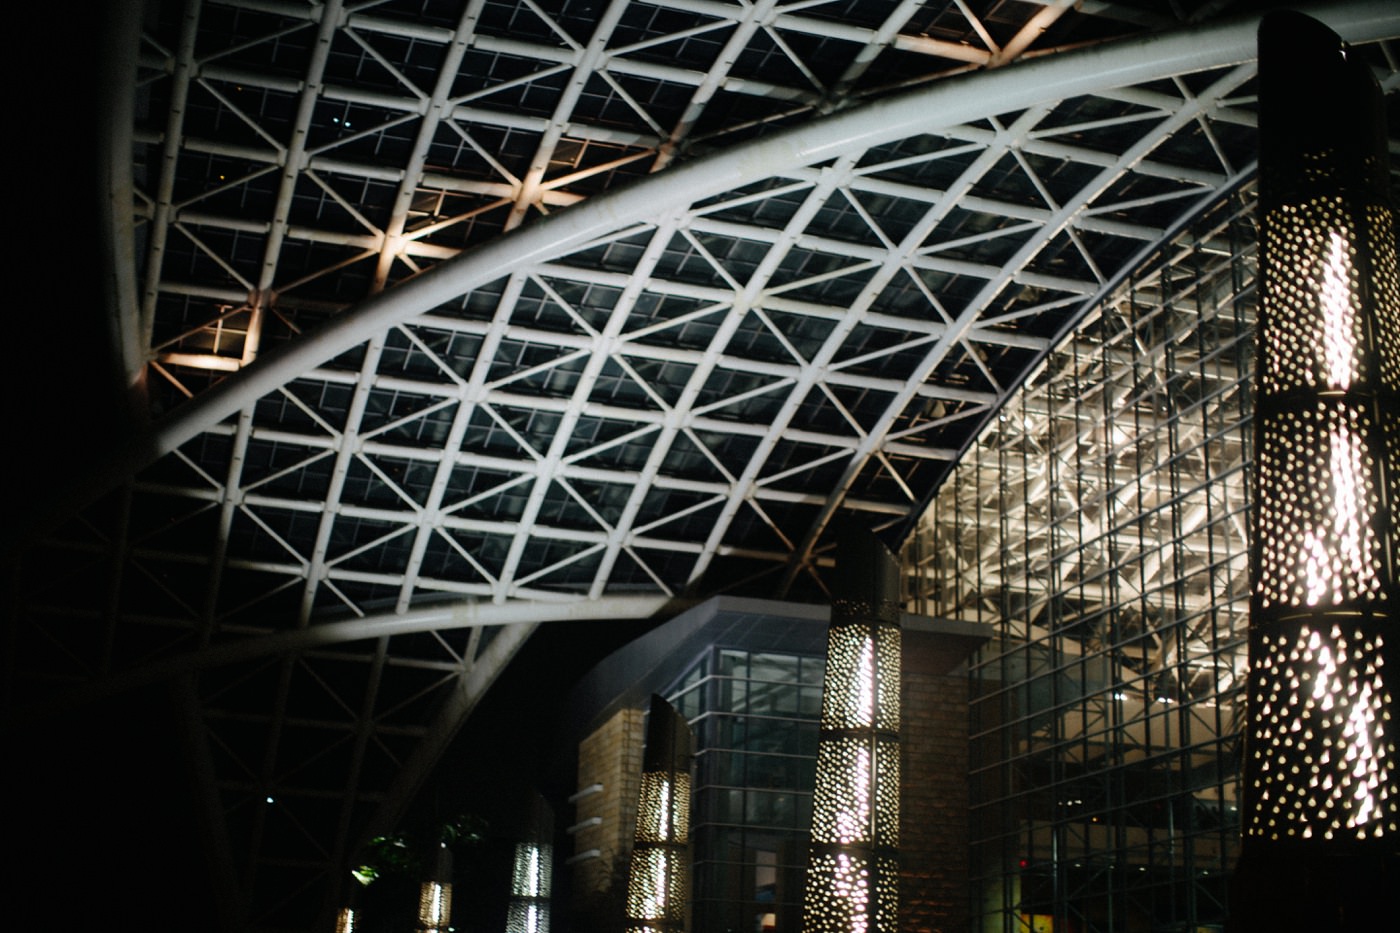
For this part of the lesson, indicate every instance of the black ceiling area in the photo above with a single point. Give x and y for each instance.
(408, 332)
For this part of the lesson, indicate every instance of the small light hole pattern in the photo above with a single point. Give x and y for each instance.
(1322, 752)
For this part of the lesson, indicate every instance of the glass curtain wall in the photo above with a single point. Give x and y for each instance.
(1099, 526)
(755, 716)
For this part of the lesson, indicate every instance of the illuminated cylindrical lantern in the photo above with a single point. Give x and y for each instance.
(435, 894)
(1320, 775)
(853, 868)
(658, 883)
(346, 920)
(528, 911)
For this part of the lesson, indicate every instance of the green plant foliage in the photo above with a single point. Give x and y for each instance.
(463, 831)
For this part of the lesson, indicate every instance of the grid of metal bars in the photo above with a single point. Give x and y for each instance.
(756, 717)
(683, 399)
(1100, 527)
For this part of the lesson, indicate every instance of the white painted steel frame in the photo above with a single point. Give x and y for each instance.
(950, 103)
(817, 160)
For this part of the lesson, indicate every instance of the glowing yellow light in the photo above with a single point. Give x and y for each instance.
(532, 873)
(1337, 708)
(1338, 316)
(1337, 559)
(664, 830)
(530, 883)
(654, 901)
(658, 879)
(853, 818)
(1369, 766)
(529, 880)
(663, 814)
(852, 885)
(865, 679)
(434, 905)
(852, 873)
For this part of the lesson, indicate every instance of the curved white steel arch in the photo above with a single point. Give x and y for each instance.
(954, 101)
(530, 253)
(525, 615)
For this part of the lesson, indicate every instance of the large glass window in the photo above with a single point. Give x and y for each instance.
(1099, 527)
(755, 718)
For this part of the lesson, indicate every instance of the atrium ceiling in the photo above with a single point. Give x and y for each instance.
(444, 319)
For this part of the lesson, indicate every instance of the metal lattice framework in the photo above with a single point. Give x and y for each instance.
(1088, 438)
(459, 317)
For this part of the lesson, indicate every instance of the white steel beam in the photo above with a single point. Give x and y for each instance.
(588, 61)
(576, 404)
(130, 337)
(462, 615)
(1184, 116)
(927, 109)
(481, 672)
(461, 38)
(163, 198)
(755, 15)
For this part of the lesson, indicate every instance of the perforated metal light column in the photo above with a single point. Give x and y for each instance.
(853, 869)
(532, 874)
(435, 894)
(1321, 799)
(658, 883)
(346, 920)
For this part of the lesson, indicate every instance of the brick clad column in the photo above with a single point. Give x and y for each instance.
(610, 756)
(933, 828)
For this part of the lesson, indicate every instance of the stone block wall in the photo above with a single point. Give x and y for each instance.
(612, 757)
(933, 825)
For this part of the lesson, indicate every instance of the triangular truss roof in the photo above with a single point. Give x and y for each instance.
(458, 317)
